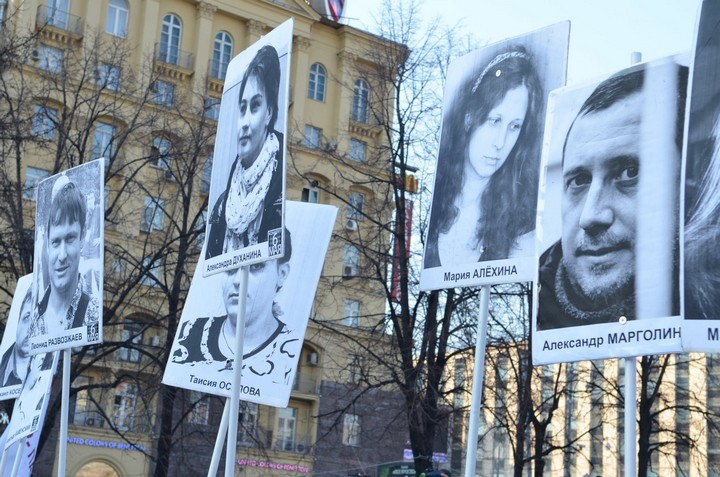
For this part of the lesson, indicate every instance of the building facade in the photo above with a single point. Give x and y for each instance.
(139, 83)
(581, 408)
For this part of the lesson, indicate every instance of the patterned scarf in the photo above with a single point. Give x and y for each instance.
(248, 188)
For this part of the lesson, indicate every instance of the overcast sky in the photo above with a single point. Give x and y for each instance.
(603, 34)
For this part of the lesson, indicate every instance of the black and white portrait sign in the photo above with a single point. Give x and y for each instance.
(247, 188)
(278, 304)
(701, 257)
(29, 410)
(15, 347)
(69, 246)
(608, 217)
(482, 219)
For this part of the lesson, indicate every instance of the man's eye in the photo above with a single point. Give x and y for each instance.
(629, 173)
(579, 180)
(256, 267)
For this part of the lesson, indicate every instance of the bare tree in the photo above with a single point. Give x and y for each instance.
(63, 103)
(407, 343)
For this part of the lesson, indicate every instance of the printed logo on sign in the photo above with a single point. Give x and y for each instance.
(274, 242)
(92, 332)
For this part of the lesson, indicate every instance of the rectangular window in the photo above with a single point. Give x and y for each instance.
(81, 401)
(352, 313)
(351, 261)
(103, 142)
(355, 206)
(117, 18)
(164, 93)
(287, 418)
(355, 370)
(310, 194)
(247, 424)
(151, 270)
(200, 408)
(33, 177)
(206, 175)
(357, 150)
(44, 121)
(49, 58)
(108, 76)
(351, 430)
(312, 137)
(212, 108)
(160, 153)
(153, 214)
(124, 412)
(132, 336)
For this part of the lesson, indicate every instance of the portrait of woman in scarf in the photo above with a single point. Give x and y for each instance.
(251, 205)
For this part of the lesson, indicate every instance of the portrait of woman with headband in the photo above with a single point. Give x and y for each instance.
(486, 188)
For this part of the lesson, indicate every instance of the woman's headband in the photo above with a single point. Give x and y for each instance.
(496, 61)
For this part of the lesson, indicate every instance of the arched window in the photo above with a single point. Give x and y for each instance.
(170, 39)
(97, 467)
(316, 84)
(361, 94)
(222, 53)
(117, 18)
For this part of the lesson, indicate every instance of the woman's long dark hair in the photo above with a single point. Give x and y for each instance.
(508, 203)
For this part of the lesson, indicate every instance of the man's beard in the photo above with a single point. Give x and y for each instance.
(589, 295)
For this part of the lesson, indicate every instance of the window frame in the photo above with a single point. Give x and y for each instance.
(44, 119)
(50, 58)
(312, 139)
(358, 150)
(134, 332)
(223, 45)
(36, 175)
(317, 82)
(309, 193)
(200, 411)
(355, 205)
(103, 141)
(152, 209)
(160, 152)
(170, 39)
(108, 76)
(128, 394)
(351, 260)
(361, 99)
(352, 428)
(116, 21)
(164, 93)
(154, 268)
(351, 313)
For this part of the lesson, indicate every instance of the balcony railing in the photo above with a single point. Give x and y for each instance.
(298, 445)
(263, 438)
(50, 16)
(173, 56)
(305, 384)
(89, 418)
